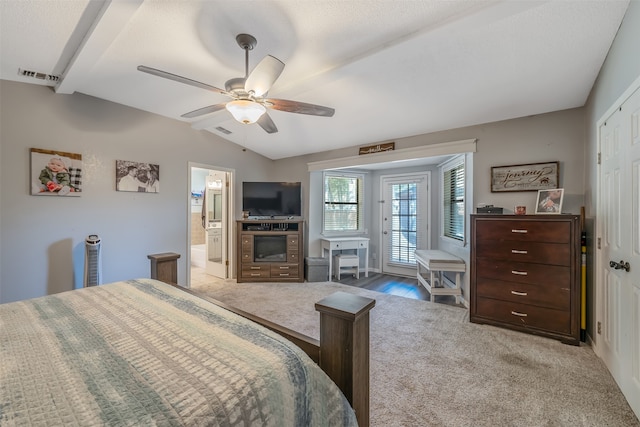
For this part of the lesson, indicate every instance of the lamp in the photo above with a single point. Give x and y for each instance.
(245, 111)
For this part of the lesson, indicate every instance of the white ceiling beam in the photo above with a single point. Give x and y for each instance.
(112, 18)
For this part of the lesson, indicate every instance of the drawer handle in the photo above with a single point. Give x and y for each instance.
(284, 267)
(516, 251)
(255, 268)
(284, 274)
(515, 230)
(255, 274)
(519, 273)
(515, 313)
(522, 294)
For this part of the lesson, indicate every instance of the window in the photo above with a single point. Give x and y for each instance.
(453, 192)
(343, 202)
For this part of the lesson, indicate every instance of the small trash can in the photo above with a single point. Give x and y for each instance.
(316, 269)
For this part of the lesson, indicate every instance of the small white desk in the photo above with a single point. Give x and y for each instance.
(331, 244)
(435, 262)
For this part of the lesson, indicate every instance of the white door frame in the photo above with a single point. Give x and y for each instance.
(231, 241)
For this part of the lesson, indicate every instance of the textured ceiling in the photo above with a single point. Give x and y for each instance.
(390, 69)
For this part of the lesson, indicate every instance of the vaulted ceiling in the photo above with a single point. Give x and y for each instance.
(390, 69)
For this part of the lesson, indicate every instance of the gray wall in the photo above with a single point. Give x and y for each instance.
(620, 69)
(557, 136)
(42, 238)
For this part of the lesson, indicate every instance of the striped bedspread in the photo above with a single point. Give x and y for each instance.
(141, 353)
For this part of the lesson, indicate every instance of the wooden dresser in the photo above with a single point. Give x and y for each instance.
(525, 274)
(270, 251)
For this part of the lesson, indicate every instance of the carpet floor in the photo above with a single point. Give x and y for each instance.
(431, 367)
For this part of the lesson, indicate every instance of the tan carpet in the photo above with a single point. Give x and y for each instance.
(431, 367)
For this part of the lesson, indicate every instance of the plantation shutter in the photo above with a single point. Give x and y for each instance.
(453, 192)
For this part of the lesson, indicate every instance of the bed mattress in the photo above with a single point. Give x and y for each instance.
(141, 352)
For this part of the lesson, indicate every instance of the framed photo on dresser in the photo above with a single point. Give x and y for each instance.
(549, 201)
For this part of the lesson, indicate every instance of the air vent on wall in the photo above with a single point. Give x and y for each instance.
(37, 75)
(223, 130)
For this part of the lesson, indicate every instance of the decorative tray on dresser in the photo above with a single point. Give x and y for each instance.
(525, 274)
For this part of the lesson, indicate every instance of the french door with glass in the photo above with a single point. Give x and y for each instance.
(405, 221)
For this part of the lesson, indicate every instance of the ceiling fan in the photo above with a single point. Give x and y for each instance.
(249, 104)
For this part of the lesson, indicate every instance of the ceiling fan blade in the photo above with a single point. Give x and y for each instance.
(205, 110)
(300, 107)
(264, 75)
(179, 79)
(267, 124)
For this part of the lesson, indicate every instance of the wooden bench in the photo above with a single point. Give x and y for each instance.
(435, 262)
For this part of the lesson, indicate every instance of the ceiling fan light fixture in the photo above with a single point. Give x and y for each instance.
(245, 111)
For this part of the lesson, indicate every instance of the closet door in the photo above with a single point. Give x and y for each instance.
(618, 321)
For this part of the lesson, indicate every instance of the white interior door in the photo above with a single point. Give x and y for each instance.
(216, 203)
(618, 312)
(405, 221)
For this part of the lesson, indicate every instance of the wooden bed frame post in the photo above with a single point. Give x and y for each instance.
(344, 347)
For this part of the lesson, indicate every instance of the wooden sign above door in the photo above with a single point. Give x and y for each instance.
(377, 148)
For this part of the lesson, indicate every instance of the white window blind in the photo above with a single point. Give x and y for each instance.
(343, 202)
(453, 192)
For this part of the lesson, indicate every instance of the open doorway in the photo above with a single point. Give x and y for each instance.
(210, 223)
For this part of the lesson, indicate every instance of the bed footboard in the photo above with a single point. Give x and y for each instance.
(343, 349)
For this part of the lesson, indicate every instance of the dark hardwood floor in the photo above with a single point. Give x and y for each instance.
(407, 287)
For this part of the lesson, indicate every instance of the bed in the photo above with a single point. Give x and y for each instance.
(142, 352)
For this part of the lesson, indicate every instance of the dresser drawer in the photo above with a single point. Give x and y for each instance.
(526, 231)
(293, 257)
(292, 242)
(348, 244)
(520, 251)
(246, 241)
(525, 316)
(256, 270)
(546, 276)
(284, 270)
(558, 298)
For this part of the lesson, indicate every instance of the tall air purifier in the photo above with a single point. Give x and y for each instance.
(92, 261)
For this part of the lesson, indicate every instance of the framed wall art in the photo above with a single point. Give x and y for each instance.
(549, 201)
(55, 173)
(528, 177)
(137, 176)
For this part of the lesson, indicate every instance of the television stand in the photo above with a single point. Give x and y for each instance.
(270, 250)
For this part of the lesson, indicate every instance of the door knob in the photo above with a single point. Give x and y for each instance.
(384, 232)
(620, 265)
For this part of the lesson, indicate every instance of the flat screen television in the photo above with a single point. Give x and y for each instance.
(272, 199)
